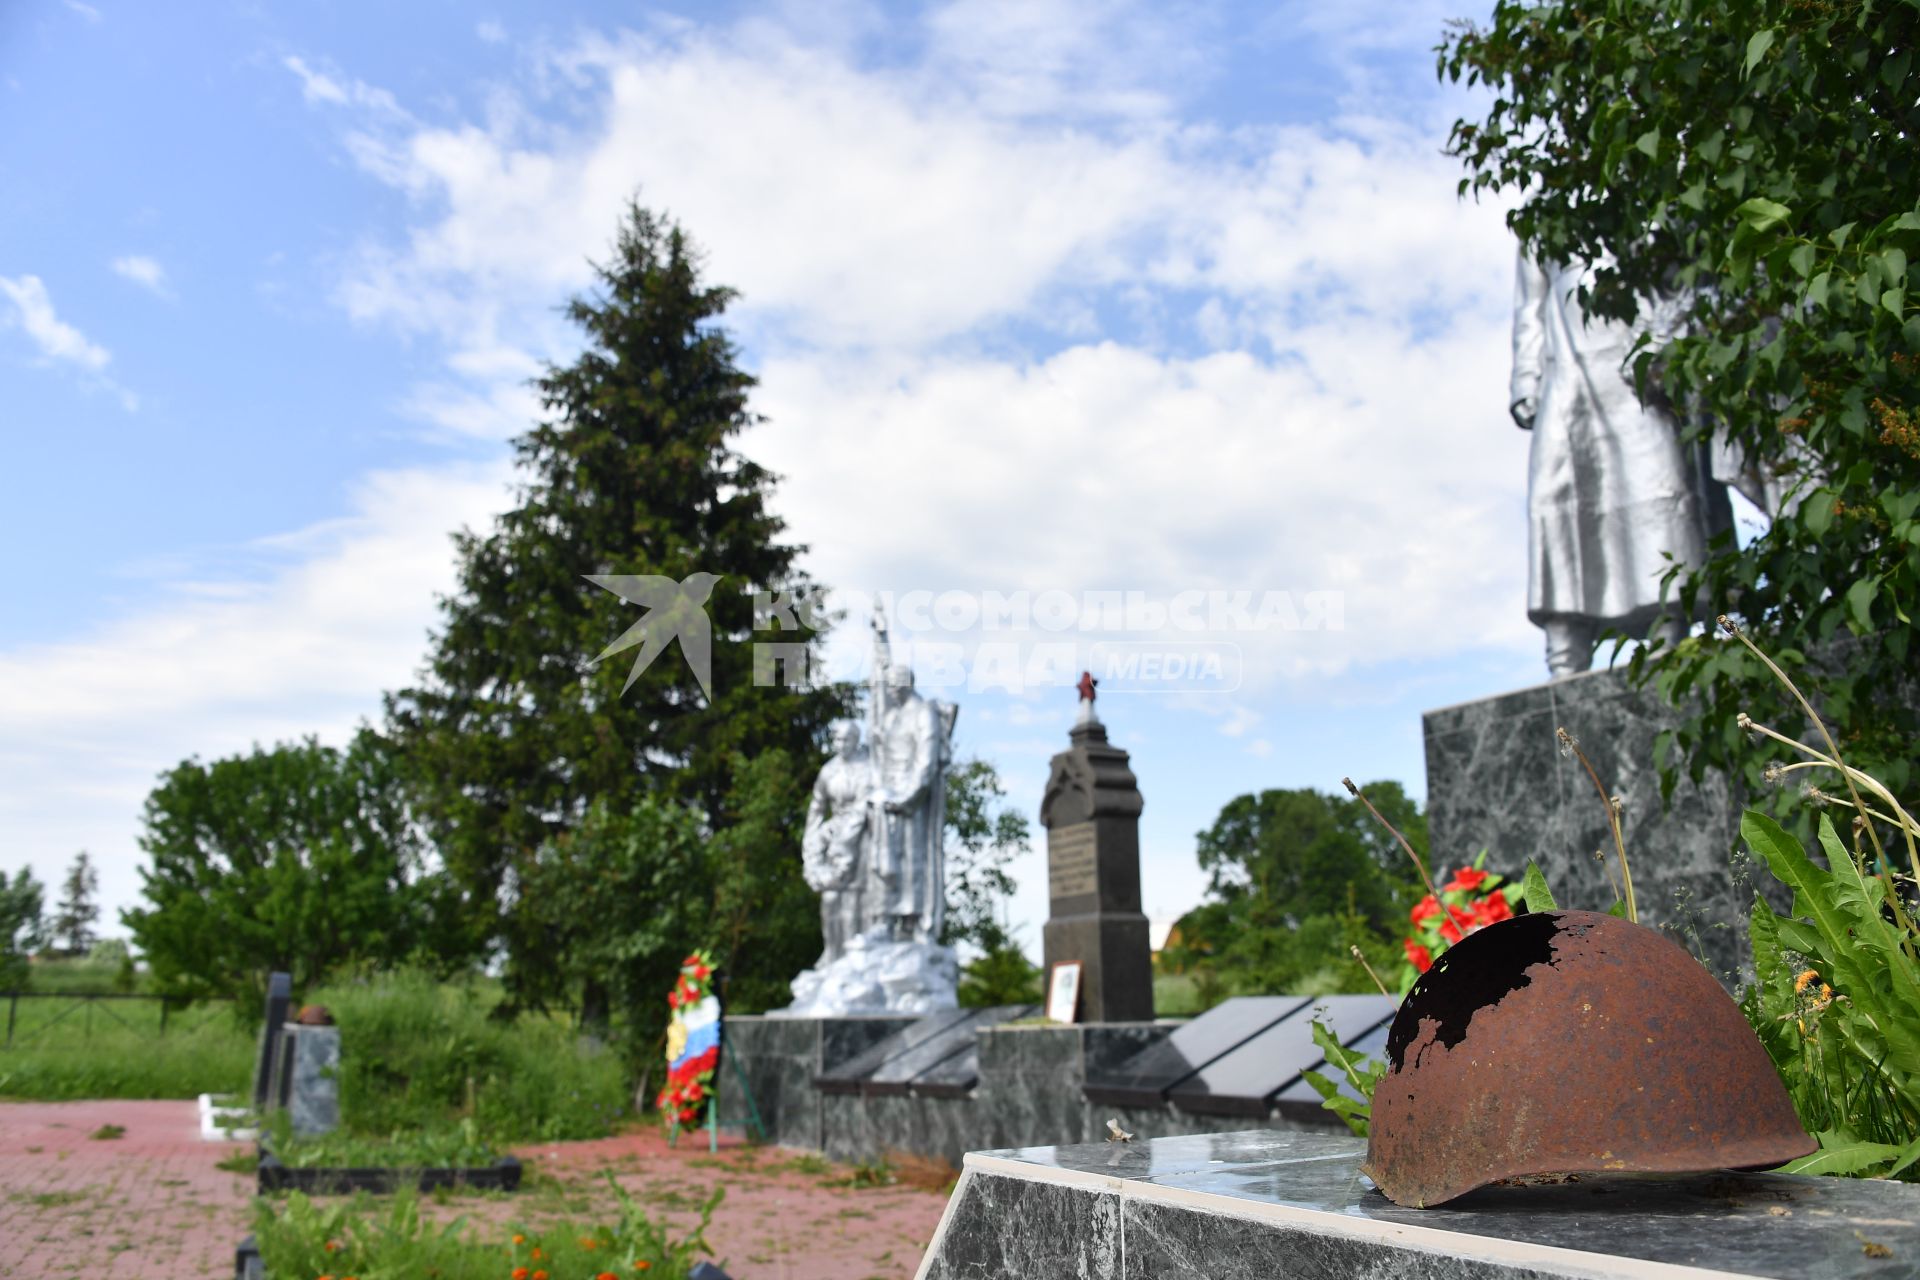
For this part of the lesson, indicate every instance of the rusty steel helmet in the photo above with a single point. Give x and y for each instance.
(1565, 1042)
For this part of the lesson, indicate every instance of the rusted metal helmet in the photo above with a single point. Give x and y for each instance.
(1570, 1042)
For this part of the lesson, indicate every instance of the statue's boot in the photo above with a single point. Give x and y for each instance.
(1570, 643)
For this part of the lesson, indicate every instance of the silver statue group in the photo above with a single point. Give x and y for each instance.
(1613, 490)
(872, 847)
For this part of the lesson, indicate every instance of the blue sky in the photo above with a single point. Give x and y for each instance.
(1043, 296)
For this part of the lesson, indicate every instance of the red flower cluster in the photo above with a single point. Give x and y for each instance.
(1471, 900)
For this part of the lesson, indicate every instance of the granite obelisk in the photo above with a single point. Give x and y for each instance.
(1091, 810)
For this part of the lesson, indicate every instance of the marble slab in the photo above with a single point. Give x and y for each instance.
(1144, 1079)
(1242, 1082)
(957, 1040)
(849, 1075)
(1232, 1206)
(1496, 781)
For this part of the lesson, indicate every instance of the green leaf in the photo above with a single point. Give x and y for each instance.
(1894, 300)
(1534, 891)
(1817, 288)
(1860, 597)
(1906, 222)
(1817, 512)
(1649, 142)
(1894, 262)
(1839, 235)
(1802, 259)
(1763, 214)
(1619, 909)
(1757, 49)
(1844, 1159)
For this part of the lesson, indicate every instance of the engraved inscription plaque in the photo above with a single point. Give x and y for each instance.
(1070, 861)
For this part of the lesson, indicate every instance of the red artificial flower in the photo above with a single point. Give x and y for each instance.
(1465, 880)
(1492, 910)
(693, 1091)
(1427, 906)
(1418, 956)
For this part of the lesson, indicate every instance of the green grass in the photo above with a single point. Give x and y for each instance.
(423, 1063)
(421, 1057)
(362, 1237)
(62, 1050)
(73, 976)
(1175, 995)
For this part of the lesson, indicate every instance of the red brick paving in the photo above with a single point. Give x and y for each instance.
(152, 1204)
(148, 1204)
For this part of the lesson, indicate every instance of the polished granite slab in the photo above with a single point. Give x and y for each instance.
(1144, 1079)
(1242, 1081)
(848, 1075)
(957, 1039)
(1264, 1203)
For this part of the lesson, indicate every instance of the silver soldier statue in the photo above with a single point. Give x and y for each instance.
(1612, 490)
(833, 850)
(873, 847)
(910, 736)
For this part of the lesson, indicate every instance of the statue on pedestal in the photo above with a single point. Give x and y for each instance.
(874, 850)
(1615, 497)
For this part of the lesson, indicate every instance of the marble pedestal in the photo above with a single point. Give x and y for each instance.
(1237, 1206)
(313, 1090)
(1496, 781)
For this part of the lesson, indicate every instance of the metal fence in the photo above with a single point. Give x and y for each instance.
(86, 1003)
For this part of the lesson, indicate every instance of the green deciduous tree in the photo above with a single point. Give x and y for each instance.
(20, 926)
(300, 858)
(514, 732)
(74, 918)
(1758, 158)
(983, 837)
(1296, 878)
(616, 902)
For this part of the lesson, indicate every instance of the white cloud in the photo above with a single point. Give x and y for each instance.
(491, 32)
(86, 11)
(56, 339)
(143, 271)
(334, 614)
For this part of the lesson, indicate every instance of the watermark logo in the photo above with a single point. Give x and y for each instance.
(675, 611)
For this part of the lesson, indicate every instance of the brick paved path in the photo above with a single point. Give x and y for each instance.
(152, 1203)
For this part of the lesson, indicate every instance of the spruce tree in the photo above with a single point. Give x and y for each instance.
(77, 913)
(514, 732)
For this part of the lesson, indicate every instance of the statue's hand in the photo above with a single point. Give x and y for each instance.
(1522, 411)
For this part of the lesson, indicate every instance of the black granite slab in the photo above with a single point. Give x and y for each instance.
(1243, 1082)
(957, 1039)
(850, 1075)
(1265, 1203)
(1144, 1079)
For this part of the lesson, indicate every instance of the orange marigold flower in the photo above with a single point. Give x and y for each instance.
(518, 1238)
(538, 1253)
(330, 1246)
(643, 1265)
(519, 1273)
(539, 1275)
(588, 1242)
(606, 1275)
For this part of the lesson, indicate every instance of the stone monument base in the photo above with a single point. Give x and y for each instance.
(1496, 781)
(1260, 1203)
(875, 977)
